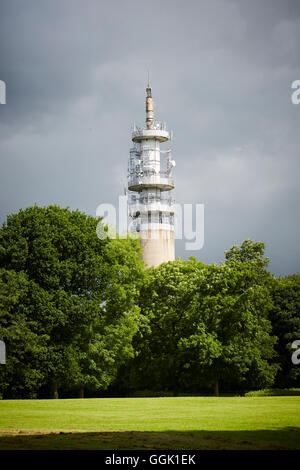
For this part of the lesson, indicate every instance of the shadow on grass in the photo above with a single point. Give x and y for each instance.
(285, 438)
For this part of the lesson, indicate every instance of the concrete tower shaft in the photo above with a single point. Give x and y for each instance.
(150, 183)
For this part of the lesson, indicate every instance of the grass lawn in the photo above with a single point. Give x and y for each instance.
(151, 423)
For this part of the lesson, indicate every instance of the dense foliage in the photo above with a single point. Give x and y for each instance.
(67, 312)
(211, 325)
(81, 313)
(285, 318)
(206, 324)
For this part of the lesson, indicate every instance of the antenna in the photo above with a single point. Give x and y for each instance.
(148, 79)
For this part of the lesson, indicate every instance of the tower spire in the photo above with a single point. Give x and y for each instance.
(149, 108)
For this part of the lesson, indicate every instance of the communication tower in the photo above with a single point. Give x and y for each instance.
(150, 185)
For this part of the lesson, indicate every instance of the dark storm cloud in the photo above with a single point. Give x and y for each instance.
(221, 73)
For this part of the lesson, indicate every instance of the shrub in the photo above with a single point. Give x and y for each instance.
(275, 392)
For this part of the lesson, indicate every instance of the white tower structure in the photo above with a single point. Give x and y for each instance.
(150, 182)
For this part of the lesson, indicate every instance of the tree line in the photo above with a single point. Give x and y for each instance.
(81, 315)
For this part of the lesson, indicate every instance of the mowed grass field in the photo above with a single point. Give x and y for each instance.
(151, 423)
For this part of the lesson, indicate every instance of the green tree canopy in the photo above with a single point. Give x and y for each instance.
(205, 324)
(248, 252)
(73, 297)
(285, 318)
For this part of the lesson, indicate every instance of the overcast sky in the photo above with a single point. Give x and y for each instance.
(221, 74)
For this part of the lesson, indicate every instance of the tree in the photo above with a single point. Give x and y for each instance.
(107, 342)
(285, 319)
(248, 251)
(25, 347)
(206, 324)
(231, 311)
(75, 295)
(251, 253)
(163, 301)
